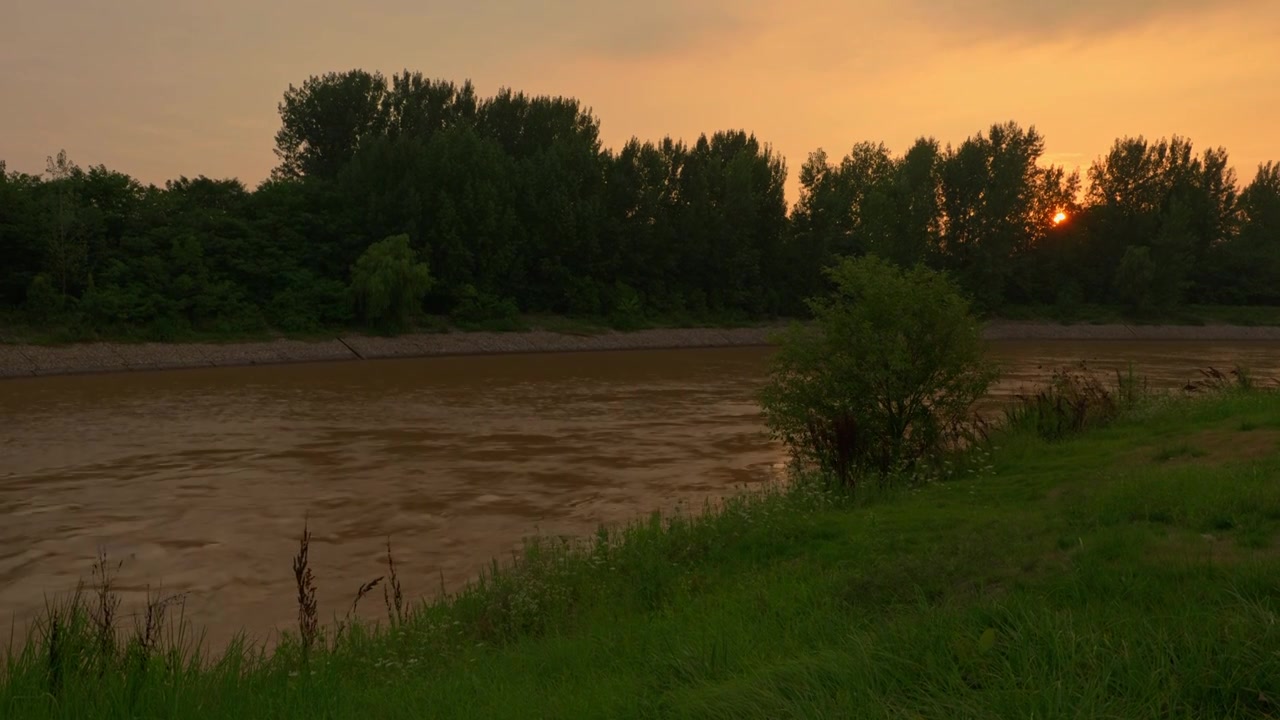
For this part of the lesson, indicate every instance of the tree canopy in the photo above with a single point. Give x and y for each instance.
(516, 206)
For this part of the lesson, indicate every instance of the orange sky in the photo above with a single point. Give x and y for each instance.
(161, 88)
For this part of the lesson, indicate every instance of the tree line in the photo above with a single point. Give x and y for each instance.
(401, 195)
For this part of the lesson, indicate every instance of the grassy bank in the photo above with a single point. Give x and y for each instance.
(1129, 571)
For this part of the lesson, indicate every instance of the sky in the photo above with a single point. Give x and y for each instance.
(164, 88)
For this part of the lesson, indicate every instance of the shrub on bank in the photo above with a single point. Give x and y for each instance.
(885, 377)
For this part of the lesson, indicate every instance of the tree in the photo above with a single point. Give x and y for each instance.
(21, 244)
(1136, 279)
(112, 200)
(454, 196)
(418, 107)
(66, 247)
(871, 203)
(904, 214)
(891, 366)
(997, 205)
(753, 209)
(324, 122)
(526, 126)
(559, 168)
(1159, 194)
(731, 217)
(389, 282)
(1247, 265)
(842, 207)
(516, 207)
(641, 205)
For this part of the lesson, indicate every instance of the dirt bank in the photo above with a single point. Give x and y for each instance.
(32, 360)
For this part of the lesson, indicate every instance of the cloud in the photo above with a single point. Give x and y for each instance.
(1056, 19)
(605, 28)
(160, 88)
(639, 30)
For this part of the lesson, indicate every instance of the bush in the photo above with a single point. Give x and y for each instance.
(44, 302)
(389, 282)
(1069, 298)
(884, 379)
(308, 302)
(476, 310)
(1074, 401)
(582, 296)
(627, 309)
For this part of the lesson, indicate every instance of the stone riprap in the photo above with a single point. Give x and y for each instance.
(20, 360)
(15, 363)
(28, 360)
(1031, 330)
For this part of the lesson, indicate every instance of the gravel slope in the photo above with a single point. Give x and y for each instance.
(32, 360)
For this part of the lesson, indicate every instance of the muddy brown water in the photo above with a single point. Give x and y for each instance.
(199, 479)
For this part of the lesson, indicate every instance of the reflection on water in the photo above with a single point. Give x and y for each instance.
(200, 479)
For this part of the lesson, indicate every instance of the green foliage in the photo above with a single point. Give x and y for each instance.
(1160, 194)
(1075, 400)
(44, 302)
(388, 283)
(518, 208)
(1244, 269)
(1136, 279)
(66, 231)
(998, 204)
(19, 237)
(1177, 451)
(884, 379)
(626, 308)
(1068, 299)
(307, 303)
(324, 122)
(582, 297)
(477, 309)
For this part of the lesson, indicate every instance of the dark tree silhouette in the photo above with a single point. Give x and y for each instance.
(516, 206)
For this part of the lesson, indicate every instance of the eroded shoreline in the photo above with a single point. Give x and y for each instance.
(18, 361)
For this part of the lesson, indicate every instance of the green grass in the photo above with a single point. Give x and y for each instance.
(1106, 575)
(1180, 450)
(1093, 314)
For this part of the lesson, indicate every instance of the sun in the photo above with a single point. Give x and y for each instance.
(1060, 218)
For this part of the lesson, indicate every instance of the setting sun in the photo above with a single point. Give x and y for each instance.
(1059, 218)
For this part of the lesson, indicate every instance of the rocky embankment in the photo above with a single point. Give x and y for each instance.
(1036, 330)
(34, 360)
(29, 360)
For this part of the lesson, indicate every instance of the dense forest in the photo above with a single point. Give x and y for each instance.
(403, 197)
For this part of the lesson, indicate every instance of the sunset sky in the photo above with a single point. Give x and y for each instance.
(161, 88)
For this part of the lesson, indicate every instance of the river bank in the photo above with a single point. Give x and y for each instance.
(98, 357)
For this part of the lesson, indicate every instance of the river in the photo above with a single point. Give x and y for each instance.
(199, 480)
